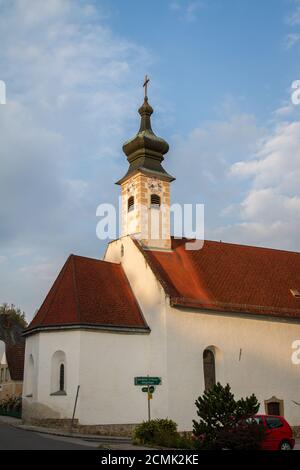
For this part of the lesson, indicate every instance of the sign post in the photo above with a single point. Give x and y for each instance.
(148, 386)
(149, 412)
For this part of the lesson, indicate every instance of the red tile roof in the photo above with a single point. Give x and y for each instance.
(227, 277)
(15, 359)
(89, 293)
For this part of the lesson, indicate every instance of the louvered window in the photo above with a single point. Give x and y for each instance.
(130, 204)
(155, 200)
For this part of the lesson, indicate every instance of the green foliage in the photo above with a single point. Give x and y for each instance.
(162, 433)
(14, 314)
(218, 411)
(146, 432)
(11, 405)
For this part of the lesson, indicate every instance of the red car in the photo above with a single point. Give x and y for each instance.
(279, 435)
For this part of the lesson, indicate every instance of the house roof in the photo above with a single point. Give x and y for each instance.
(228, 277)
(15, 353)
(89, 293)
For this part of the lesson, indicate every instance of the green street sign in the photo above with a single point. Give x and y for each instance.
(147, 381)
(151, 389)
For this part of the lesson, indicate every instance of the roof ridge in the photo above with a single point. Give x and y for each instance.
(75, 287)
(94, 259)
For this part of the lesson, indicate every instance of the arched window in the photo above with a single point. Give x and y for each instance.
(155, 200)
(62, 378)
(209, 369)
(130, 204)
(58, 373)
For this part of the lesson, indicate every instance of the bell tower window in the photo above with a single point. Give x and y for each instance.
(130, 204)
(155, 201)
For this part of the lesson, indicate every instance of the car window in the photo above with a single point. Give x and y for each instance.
(273, 422)
(255, 419)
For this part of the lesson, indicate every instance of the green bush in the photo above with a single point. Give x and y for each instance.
(162, 433)
(11, 405)
(146, 432)
(221, 417)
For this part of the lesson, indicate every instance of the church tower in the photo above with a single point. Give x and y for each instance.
(146, 186)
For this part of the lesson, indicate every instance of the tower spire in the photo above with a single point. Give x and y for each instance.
(145, 152)
(145, 188)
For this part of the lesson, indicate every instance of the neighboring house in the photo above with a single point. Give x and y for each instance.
(11, 370)
(226, 312)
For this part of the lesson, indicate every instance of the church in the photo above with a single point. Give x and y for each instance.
(154, 311)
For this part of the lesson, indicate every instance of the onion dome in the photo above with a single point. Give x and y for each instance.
(145, 152)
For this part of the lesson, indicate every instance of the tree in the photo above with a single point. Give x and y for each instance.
(222, 418)
(14, 314)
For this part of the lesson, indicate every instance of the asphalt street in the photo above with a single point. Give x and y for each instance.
(12, 438)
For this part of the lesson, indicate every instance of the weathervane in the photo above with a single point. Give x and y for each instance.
(145, 85)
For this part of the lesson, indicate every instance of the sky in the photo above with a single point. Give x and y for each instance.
(221, 85)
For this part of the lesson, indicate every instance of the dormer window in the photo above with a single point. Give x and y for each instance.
(155, 201)
(130, 204)
(295, 293)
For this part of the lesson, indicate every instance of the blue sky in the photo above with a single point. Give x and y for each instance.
(221, 75)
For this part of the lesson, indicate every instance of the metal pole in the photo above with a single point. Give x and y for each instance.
(75, 405)
(148, 395)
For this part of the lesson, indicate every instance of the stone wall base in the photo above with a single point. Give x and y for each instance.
(124, 430)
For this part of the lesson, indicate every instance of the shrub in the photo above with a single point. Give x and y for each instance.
(221, 416)
(246, 436)
(146, 432)
(162, 433)
(12, 403)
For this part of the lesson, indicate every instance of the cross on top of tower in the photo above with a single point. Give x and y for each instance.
(145, 85)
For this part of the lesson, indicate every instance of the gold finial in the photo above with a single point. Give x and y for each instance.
(145, 85)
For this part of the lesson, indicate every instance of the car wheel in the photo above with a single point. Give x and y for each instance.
(285, 445)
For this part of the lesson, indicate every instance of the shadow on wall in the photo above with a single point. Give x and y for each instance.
(33, 412)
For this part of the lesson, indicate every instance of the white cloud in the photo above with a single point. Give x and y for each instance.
(69, 103)
(294, 18)
(291, 39)
(188, 10)
(202, 159)
(270, 212)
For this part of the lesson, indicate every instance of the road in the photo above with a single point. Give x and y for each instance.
(12, 438)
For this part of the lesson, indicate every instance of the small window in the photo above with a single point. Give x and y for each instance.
(62, 378)
(122, 250)
(130, 204)
(6, 374)
(273, 423)
(155, 200)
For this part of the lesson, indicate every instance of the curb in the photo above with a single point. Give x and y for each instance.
(85, 437)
